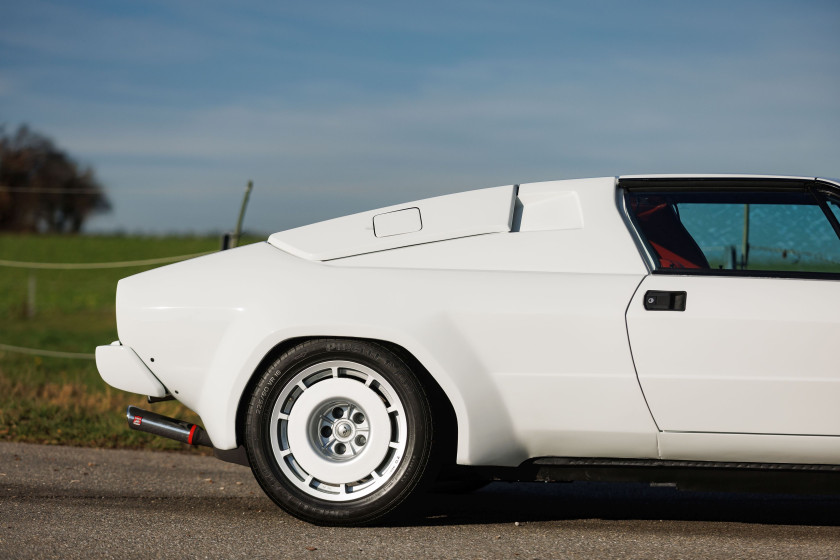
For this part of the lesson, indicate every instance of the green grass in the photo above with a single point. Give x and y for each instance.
(64, 401)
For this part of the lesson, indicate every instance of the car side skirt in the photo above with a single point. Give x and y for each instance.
(684, 475)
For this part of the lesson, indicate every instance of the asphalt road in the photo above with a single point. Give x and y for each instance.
(60, 502)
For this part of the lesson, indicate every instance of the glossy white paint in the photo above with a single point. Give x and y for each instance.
(120, 367)
(750, 448)
(513, 396)
(443, 217)
(550, 206)
(603, 246)
(397, 223)
(748, 355)
(517, 305)
(498, 363)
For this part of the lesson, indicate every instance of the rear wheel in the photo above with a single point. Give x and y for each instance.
(339, 432)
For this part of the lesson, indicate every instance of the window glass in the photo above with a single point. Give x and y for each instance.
(750, 230)
(835, 207)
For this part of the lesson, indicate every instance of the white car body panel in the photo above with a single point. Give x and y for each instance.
(524, 305)
(751, 448)
(496, 363)
(424, 221)
(488, 359)
(744, 356)
(121, 367)
(548, 236)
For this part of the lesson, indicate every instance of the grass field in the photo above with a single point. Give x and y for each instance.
(60, 400)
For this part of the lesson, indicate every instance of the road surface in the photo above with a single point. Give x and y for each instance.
(62, 502)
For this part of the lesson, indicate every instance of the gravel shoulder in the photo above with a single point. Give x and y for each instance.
(65, 502)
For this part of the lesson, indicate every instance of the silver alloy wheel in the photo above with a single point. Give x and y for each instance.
(338, 430)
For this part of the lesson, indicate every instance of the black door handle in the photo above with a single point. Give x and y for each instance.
(665, 301)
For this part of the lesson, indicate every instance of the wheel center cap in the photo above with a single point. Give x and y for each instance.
(343, 430)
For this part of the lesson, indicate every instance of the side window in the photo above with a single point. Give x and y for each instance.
(766, 231)
(834, 205)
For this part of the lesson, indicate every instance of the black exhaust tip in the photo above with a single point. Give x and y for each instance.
(159, 425)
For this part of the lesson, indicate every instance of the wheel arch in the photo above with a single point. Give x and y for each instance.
(443, 412)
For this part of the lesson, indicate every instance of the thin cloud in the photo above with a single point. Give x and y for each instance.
(338, 107)
(71, 32)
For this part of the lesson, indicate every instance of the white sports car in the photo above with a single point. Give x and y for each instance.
(658, 328)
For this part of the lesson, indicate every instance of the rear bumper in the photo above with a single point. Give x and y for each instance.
(120, 367)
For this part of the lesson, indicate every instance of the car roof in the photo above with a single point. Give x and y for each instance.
(677, 177)
(715, 176)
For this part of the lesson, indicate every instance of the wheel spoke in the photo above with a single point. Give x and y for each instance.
(336, 423)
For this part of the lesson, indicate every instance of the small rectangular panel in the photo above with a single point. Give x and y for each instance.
(397, 223)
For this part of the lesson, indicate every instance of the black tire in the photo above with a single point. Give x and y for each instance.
(348, 384)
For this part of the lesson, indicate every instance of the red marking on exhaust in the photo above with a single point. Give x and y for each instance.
(192, 433)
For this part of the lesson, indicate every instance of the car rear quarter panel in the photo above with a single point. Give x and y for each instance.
(535, 361)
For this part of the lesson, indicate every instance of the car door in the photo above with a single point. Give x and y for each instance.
(736, 330)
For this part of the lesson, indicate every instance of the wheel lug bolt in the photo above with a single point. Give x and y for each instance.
(358, 418)
(326, 431)
(361, 440)
(340, 448)
(337, 412)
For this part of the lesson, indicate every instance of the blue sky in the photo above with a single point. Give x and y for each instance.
(339, 107)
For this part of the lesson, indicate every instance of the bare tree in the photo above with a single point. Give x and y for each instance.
(42, 189)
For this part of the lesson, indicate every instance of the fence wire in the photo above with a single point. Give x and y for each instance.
(90, 266)
(80, 266)
(46, 353)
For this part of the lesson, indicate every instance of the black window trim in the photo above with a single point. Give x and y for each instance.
(821, 193)
(789, 274)
(815, 187)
